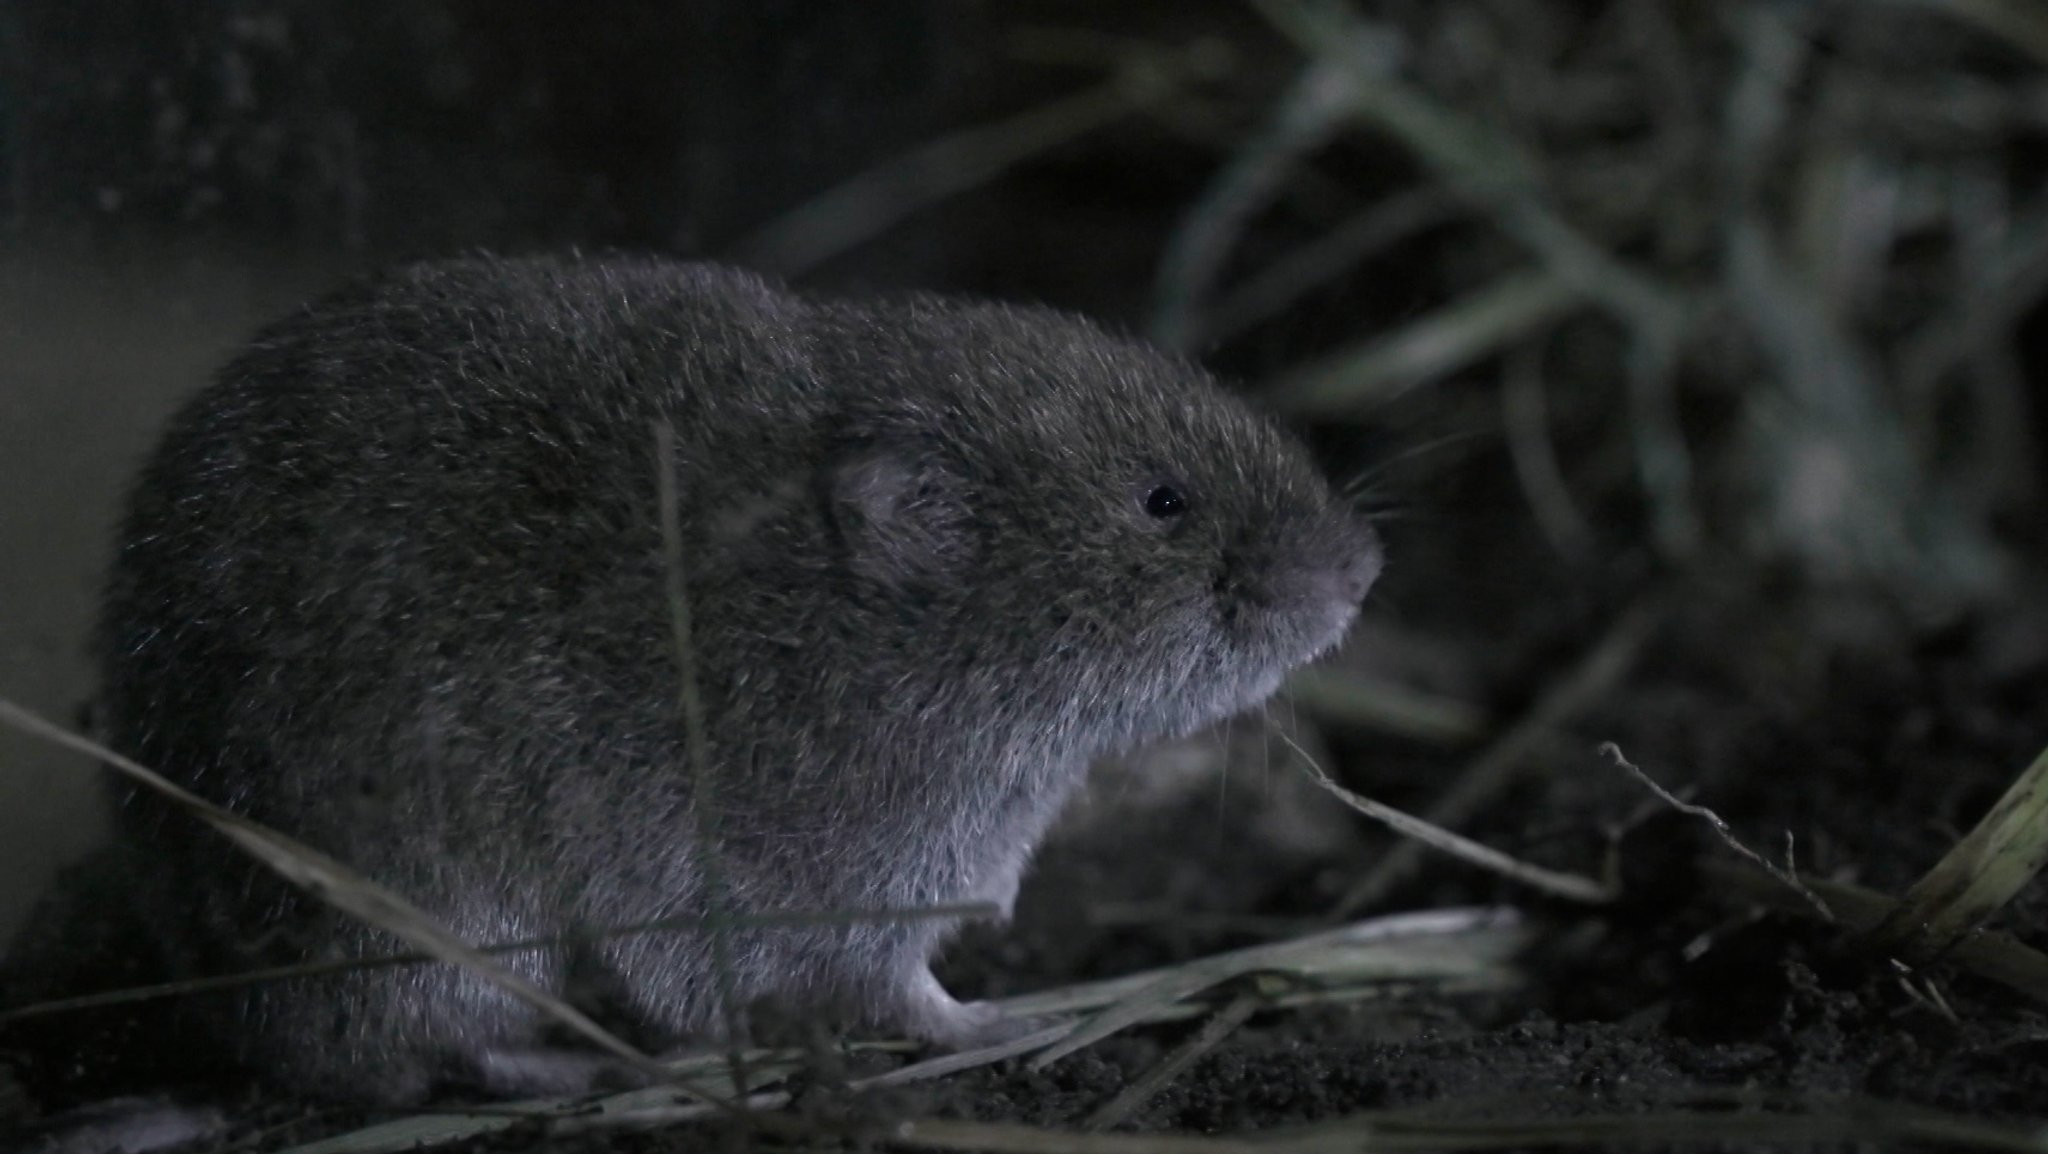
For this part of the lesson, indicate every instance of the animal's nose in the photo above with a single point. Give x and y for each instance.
(1360, 558)
(1332, 561)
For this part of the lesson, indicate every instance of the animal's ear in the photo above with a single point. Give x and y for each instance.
(902, 512)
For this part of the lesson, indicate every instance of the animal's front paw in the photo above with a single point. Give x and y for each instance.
(935, 1016)
(987, 1025)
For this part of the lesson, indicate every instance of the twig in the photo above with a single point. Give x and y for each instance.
(948, 1064)
(1847, 494)
(874, 201)
(771, 919)
(1775, 55)
(1594, 676)
(1487, 168)
(337, 885)
(1535, 459)
(2023, 25)
(1714, 821)
(1571, 887)
(1497, 177)
(1307, 116)
(1450, 949)
(703, 784)
(1218, 1027)
(1270, 290)
(1379, 949)
(1997, 275)
(1992, 956)
(1360, 377)
(1981, 873)
(1663, 461)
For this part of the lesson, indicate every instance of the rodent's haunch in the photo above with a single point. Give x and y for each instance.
(394, 584)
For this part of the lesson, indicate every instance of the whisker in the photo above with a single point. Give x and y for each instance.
(1379, 469)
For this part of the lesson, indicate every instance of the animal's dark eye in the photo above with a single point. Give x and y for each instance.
(1165, 502)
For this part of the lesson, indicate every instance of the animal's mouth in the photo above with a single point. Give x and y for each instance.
(1303, 584)
(1301, 612)
(1256, 663)
(1302, 608)
(1319, 639)
(1337, 628)
(1271, 612)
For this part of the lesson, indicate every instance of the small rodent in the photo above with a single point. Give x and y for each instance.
(395, 584)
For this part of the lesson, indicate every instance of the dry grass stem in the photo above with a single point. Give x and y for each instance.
(886, 195)
(1535, 459)
(1268, 292)
(1776, 206)
(1570, 887)
(696, 745)
(337, 885)
(1218, 1027)
(1355, 381)
(772, 919)
(1978, 875)
(1992, 956)
(1449, 950)
(1303, 120)
(1442, 947)
(1494, 172)
(1595, 675)
(2023, 25)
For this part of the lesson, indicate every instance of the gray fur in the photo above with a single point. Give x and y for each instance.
(393, 584)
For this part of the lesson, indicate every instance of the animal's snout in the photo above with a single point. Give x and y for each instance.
(1328, 564)
(1358, 558)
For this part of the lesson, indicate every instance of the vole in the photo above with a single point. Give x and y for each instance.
(394, 583)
